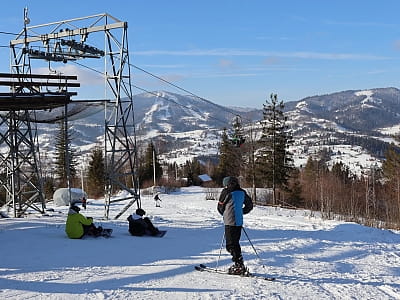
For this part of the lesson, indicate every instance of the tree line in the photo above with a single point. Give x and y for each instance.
(262, 161)
(372, 198)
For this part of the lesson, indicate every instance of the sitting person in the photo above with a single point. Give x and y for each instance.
(78, 225)
(140, 226)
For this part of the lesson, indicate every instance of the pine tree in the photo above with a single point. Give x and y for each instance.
(65, 164)
(149, 164)
(191, 170)
(172, 171)
(274, 161)
(295, 189)
(228, 162)
(96, 173)
(240, 151)
(391, 171)
(238, 138)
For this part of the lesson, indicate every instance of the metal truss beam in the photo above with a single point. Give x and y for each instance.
(120, 142)
(22, 181)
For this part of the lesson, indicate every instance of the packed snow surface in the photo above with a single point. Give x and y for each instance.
(311, 258)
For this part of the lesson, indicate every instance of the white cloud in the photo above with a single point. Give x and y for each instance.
(360, 24)
(86, 77)
(241, 52)
(165, 66)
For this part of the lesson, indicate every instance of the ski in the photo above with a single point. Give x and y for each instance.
(204, 268)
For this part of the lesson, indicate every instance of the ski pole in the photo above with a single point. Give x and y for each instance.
(255, 251)
(220, 250)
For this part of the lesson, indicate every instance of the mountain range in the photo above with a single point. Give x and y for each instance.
(355, 127)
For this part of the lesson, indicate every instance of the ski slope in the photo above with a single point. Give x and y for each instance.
(310, 257)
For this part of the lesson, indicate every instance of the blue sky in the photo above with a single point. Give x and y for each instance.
(239, 52)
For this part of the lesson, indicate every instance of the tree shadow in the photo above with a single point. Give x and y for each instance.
(46, 249)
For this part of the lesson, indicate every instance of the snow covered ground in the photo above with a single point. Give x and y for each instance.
(311, 258)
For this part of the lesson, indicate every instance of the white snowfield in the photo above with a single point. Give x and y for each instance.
(311, 258)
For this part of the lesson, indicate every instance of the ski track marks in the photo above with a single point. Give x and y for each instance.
(311, 258)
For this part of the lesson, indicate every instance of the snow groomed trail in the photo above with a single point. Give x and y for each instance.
(311, 258)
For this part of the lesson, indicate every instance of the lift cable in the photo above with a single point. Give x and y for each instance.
(185, 90)
(161, 79)
(177, 103)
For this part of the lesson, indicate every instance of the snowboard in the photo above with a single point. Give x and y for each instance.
(106, 233)
(160, 234)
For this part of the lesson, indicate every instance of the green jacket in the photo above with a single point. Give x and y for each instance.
(73, 227)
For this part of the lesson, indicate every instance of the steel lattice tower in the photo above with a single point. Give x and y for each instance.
(58, 42)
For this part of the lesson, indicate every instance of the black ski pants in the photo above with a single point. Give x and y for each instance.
(232, 237)
(91, 230)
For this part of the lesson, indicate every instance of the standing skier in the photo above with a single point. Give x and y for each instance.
(84, 201)
(157, 200)
(233, 203)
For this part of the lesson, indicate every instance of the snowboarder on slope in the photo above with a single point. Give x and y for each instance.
(157, 200)
(233, 203)
(78, 225)
(140, 226)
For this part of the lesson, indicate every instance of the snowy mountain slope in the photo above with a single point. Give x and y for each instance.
(311, 258)
(365, 110)
(356, 126)
(182, 127)
(171, 112)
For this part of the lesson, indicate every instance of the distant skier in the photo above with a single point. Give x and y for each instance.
(78, 225)
(157, 200)
(233, 203)
(139, 225)
(84, 201)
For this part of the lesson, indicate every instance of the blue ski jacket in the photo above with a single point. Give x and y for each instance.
(233, 203)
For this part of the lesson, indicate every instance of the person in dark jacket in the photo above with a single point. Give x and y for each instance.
(139, 225)
(157, 200)
(233, 203)
(84, 201)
